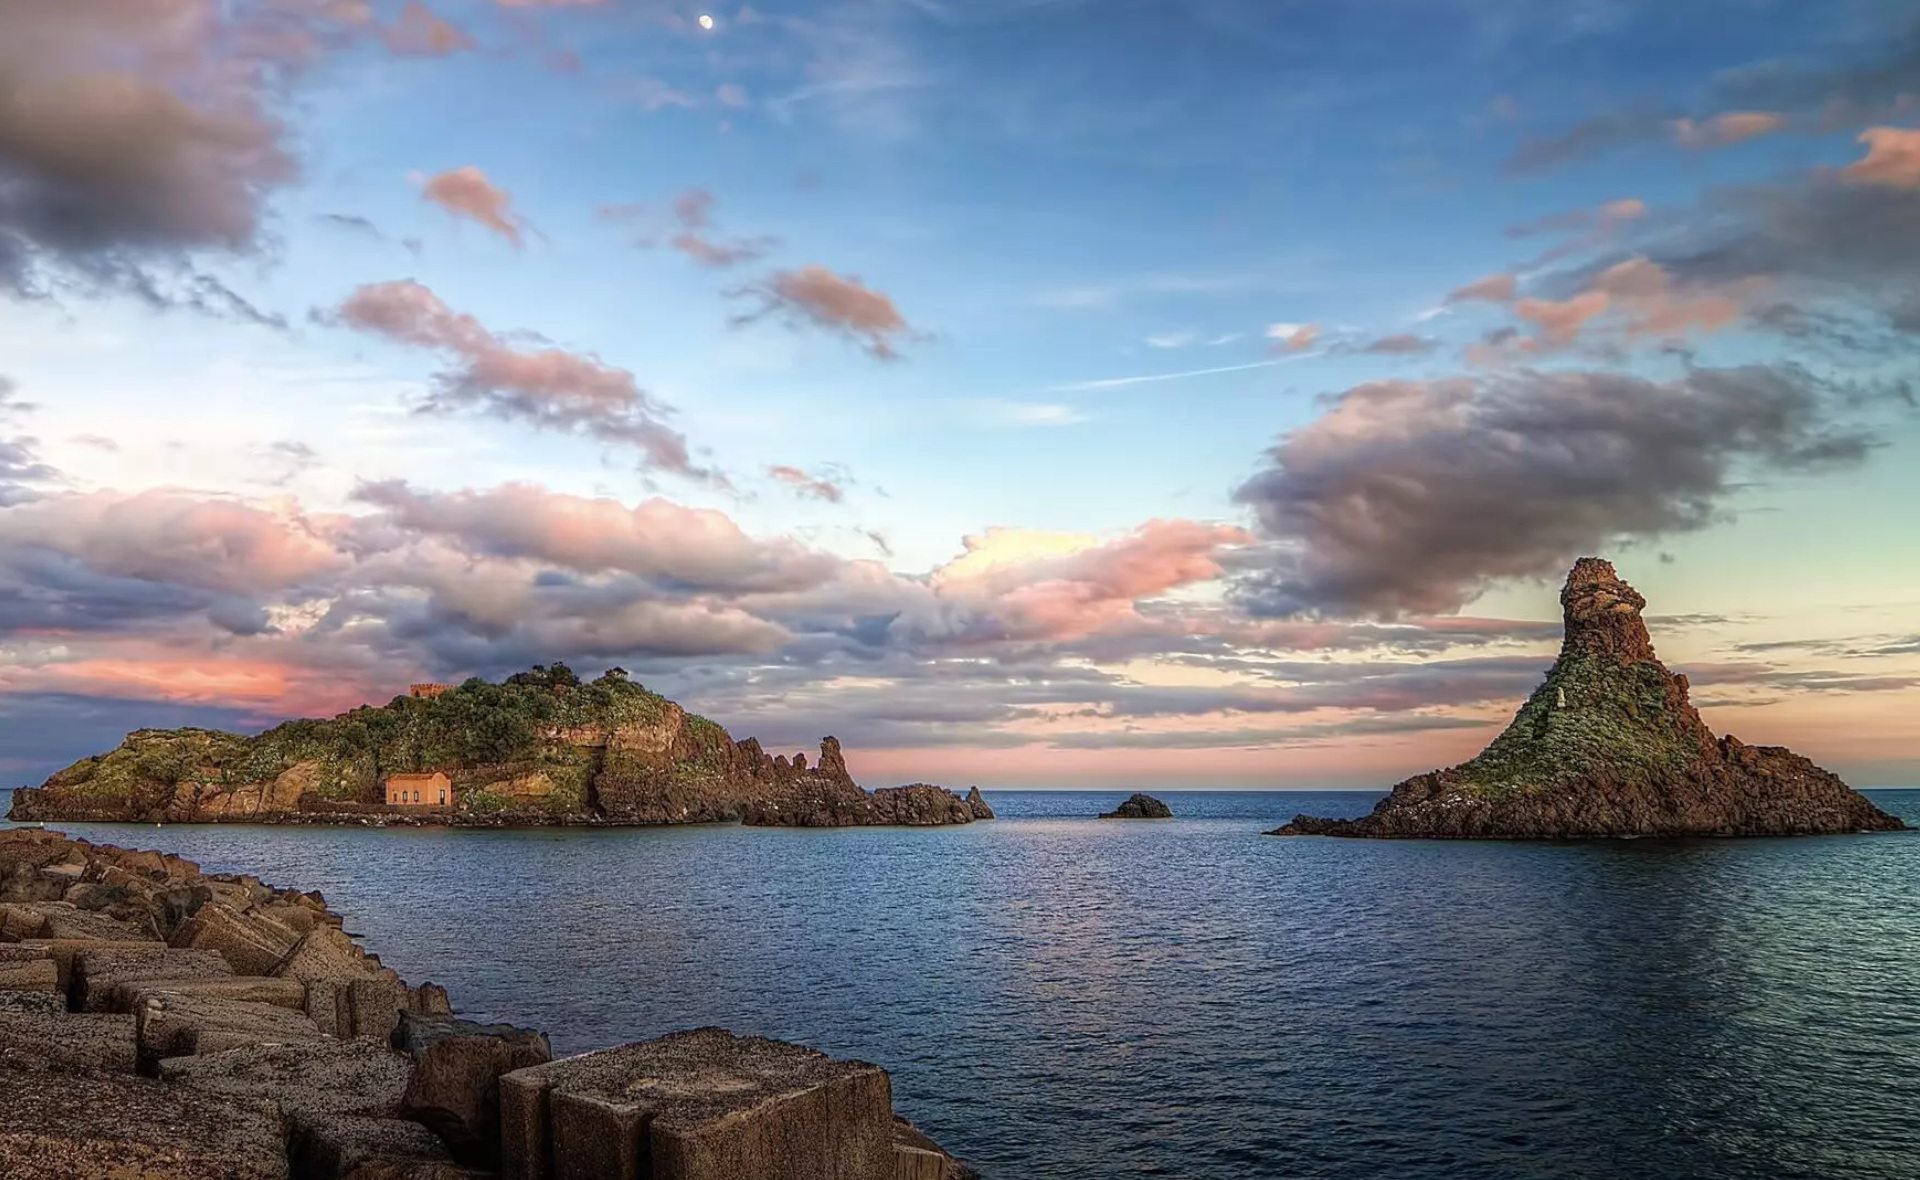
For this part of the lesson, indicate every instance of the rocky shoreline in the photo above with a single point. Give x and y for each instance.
(161, 1023)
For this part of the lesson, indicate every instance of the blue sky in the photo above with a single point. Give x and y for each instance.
(1158, 312)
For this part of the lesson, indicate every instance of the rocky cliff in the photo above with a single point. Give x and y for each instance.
(543, 747)
(1609, 745)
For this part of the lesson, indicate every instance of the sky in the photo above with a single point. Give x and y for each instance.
(1030, 393)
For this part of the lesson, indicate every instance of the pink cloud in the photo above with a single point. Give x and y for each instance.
(179, 538)
(1072, 592)
(1726, 130)
(808, 486)
(694, 547)
(1500, 288)
(813, 294)
(1892, 159)
(1559, 321)
(466, 192)
(549, 388)
(1293, 337)
(420, 32)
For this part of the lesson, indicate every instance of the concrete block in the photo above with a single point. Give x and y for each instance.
(172, 1025)
(91, 985)
(703, 1105)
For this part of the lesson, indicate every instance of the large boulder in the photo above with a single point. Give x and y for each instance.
(702, 1105)
(977, 804)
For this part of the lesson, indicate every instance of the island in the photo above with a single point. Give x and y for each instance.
(163, 1023)
(1610, 746)
(1139, 806)
(542, 747)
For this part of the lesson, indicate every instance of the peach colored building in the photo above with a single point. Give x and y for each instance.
(425, 690)
(419, 790)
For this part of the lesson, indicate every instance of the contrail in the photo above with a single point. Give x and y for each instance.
(1116, 382)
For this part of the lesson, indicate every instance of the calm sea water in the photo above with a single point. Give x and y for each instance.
(1059, 997)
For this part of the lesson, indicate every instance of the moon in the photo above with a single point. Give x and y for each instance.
(706, 22)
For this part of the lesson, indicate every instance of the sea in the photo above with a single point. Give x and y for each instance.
(1059, 997)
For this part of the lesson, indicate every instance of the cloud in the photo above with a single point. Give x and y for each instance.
(137, 135)
(1029, 585)
(1401, 344)
(730, 95)
(693, 209)
(420, 32)
(1293, 337)
(678, 548)
(1727, 129)
(815, 295)
(175, 538)
(351, 222)
(807, 486)
(549, 388)
(1414, 496)
(1893, 158)
(1500, 288)
(466, 192)
(1170, 340)
(21, 470)
(1754, 100)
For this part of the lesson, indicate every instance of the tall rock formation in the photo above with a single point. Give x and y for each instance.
(1609, 745)
(543, 747)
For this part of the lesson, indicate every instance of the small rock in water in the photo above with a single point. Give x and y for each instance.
(1140, 807)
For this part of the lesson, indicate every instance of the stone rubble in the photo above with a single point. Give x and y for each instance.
(159, 1023)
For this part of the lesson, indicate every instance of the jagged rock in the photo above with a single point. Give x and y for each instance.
(1609, 745)
(701, 1105)
(920, 805)
(1139, 806)
(916, 805)
(455, 1089)
(977, 804)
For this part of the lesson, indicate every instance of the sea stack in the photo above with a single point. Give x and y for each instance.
(1609, 745)
(1139, 806)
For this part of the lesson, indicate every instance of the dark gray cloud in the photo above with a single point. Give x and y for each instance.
(20, 467)
(1414, 496)
(136, 136)
(1875, 83)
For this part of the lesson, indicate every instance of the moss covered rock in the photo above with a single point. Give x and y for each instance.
(1609, 745)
